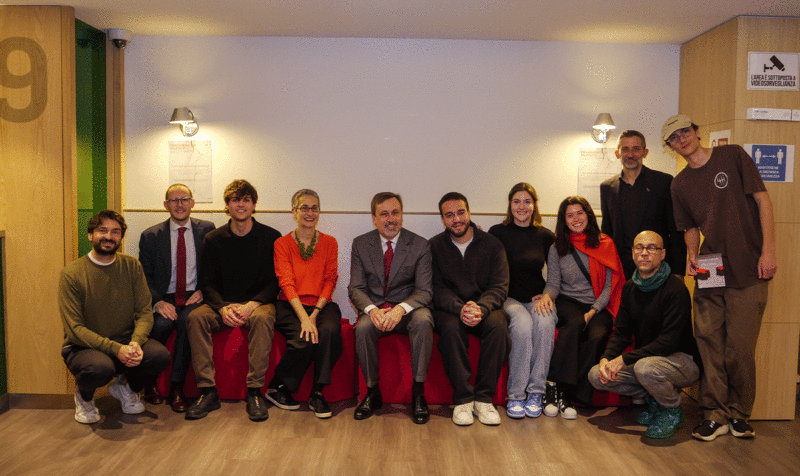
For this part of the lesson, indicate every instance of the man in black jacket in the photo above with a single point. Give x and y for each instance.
(470, 284)
(656, 311)
(639, 199)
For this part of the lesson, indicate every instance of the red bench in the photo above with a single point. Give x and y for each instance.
(230, 361)
(396, 377)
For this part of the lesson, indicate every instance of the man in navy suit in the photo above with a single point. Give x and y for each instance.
(175, 294)
(639, 199)
(390, 285)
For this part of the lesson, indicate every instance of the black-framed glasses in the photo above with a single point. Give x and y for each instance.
(306, 209)
(182, 201)
(678, 135)
(649, 248)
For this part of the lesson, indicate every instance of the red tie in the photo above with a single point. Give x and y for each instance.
(387, 265)
(180, 269)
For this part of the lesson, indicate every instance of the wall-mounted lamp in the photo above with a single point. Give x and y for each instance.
(601, 126)
(184, 118)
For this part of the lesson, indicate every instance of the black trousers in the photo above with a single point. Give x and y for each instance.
(162, 329)
(578, 346)
(93, 369)
(454, 345)
(300, 353)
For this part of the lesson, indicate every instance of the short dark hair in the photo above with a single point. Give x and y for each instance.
(239, 189)
(97, 220)
(381, 197)
(632, 133)
(452, 196)
(563, 244)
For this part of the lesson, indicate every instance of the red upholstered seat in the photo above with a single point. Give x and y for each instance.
(230, 361)
(394, 360)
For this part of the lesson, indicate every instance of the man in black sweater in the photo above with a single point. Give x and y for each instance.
(237, 275)
(656, 310)
(470, 284)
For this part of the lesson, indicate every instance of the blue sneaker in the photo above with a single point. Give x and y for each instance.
(533, 406)
(515, 410)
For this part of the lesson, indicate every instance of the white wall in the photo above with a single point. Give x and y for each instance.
(351, 117)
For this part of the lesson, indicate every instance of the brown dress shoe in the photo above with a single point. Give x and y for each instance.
(177, 401)
(152, 395)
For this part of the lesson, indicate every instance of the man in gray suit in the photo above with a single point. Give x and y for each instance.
(390, 286)
(175, 294)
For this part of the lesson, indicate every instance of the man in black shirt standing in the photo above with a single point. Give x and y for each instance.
(656, 311)
(240, 288)
(639, 199)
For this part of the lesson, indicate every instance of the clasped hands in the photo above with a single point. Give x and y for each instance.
(608, 369)
(131, 354)
(385, 320)
(168, 310)
(471, 314)
(237, 314)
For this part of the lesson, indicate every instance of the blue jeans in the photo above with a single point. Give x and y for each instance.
(532, 336)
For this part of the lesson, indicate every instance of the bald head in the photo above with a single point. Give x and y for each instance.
(648, 252)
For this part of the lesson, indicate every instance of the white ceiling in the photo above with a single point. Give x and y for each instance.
(596, 21)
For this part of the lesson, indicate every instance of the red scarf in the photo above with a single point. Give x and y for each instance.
(600, 258)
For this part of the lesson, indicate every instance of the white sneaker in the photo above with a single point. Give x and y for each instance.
(85, 412)
(462, 414)
(129, 400)
(487, 413)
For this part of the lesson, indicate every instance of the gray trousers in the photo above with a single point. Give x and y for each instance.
(418, 325)
(660, 377)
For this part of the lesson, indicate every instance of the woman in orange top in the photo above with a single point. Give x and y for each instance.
(307, 269)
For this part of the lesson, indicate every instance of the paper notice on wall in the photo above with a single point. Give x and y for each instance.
(775, 163)
(773, 71)
(594, 167)
(719, 138)
(190, 164)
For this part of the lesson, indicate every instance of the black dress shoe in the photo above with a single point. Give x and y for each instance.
(177, 401)
(152, 395)
(419, 410)
(208, 402)
(256, 407)
(370, 404)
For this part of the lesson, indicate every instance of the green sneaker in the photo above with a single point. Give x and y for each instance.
(650, 413)
(665, 423)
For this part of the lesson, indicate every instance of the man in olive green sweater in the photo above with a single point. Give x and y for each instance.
(105, 307)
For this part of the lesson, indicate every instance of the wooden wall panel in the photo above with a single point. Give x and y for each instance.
(775, 380)
(708, 66)
(37, 149)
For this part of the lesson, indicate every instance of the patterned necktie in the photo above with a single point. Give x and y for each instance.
(180, 269)
(387, 265)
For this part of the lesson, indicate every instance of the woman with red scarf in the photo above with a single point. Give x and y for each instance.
(584, 285)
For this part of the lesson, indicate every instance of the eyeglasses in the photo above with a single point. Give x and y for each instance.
(182, 201)
(649, 248)
(306, 209)
(678, 135)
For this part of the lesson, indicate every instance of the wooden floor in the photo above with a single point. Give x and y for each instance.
(159, 442)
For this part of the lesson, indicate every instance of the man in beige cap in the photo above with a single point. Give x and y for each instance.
(721, 194)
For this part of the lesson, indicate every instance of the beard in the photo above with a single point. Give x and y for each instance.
(98, 248)
(458, 235)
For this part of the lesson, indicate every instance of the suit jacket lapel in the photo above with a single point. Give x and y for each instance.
(375, 251)
(164, 245)
(198, 240)
(400, 254)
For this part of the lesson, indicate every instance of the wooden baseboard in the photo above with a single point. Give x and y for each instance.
(28, 401)
(4, 403)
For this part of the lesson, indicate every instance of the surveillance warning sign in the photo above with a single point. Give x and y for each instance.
(773, 71)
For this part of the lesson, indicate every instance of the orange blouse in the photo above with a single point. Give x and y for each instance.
(308, 280)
